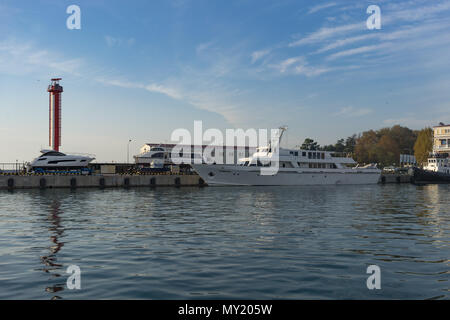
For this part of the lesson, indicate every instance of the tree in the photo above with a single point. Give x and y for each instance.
(387, 151)
(339, 146)
(350, 143)
(309, 144)
(423, 146)
(365, 148)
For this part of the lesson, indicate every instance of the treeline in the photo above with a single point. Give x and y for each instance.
(382, 146)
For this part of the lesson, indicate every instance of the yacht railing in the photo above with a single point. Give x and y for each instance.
(80, 154)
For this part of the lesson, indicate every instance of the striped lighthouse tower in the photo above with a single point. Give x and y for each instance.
(55, 90)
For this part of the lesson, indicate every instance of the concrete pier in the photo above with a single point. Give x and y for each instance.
(123, 181)
(394, 178)
(96, 181)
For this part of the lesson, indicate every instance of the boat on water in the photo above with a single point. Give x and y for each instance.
(51, 160)
(437, 169)
(155, 154)
(294, 167)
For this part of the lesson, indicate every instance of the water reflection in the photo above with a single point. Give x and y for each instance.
(51, 265)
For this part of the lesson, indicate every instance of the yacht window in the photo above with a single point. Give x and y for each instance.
(58, 161)
(40, 159)
(54, 154)
(246, 163)
(157, 155)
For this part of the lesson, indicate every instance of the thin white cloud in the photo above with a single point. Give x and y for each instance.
(321, 7)
(346, 41)
(203, 47)
(256, 55)
(355, 51)
(212, 100)
(20, 58)
(299, 66)
(353, 112)
(152, 87)
(326, 33)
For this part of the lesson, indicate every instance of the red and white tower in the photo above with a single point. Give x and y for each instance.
(55, 91)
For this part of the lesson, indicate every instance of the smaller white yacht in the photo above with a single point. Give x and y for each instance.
(155, 155)
(55, 160)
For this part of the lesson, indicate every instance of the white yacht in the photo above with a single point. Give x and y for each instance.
(55, 160)
(155, 155)
(295, 167)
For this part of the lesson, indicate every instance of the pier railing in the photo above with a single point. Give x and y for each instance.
(12, 167)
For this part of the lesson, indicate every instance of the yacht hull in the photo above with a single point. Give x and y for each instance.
(241, 175)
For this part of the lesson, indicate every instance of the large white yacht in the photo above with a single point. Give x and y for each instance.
(294, 167)
(55, 160)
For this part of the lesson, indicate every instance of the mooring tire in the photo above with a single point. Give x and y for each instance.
(10, 183)
(73, 183)
(42, 183)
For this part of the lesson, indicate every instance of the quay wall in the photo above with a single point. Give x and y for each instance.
(394, 178)
(118, 180)
(98, 181)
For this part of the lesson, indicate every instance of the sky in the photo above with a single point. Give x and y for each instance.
(140, 69)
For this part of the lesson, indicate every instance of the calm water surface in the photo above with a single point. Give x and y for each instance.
(227, 242)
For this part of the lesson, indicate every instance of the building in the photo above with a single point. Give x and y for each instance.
(439, 160)
(441, 143)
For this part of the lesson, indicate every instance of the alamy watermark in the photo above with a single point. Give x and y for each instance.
(210, 147)
(74, 20)
(74, 280)
(374, 280)
(374, 21)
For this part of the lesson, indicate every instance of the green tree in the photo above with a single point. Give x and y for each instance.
(387, 151)
(310, 144)
(350, 143)
(423, 145)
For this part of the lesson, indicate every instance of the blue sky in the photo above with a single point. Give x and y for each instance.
(140, 69)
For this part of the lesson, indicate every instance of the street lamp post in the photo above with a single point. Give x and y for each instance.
(128, 151)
